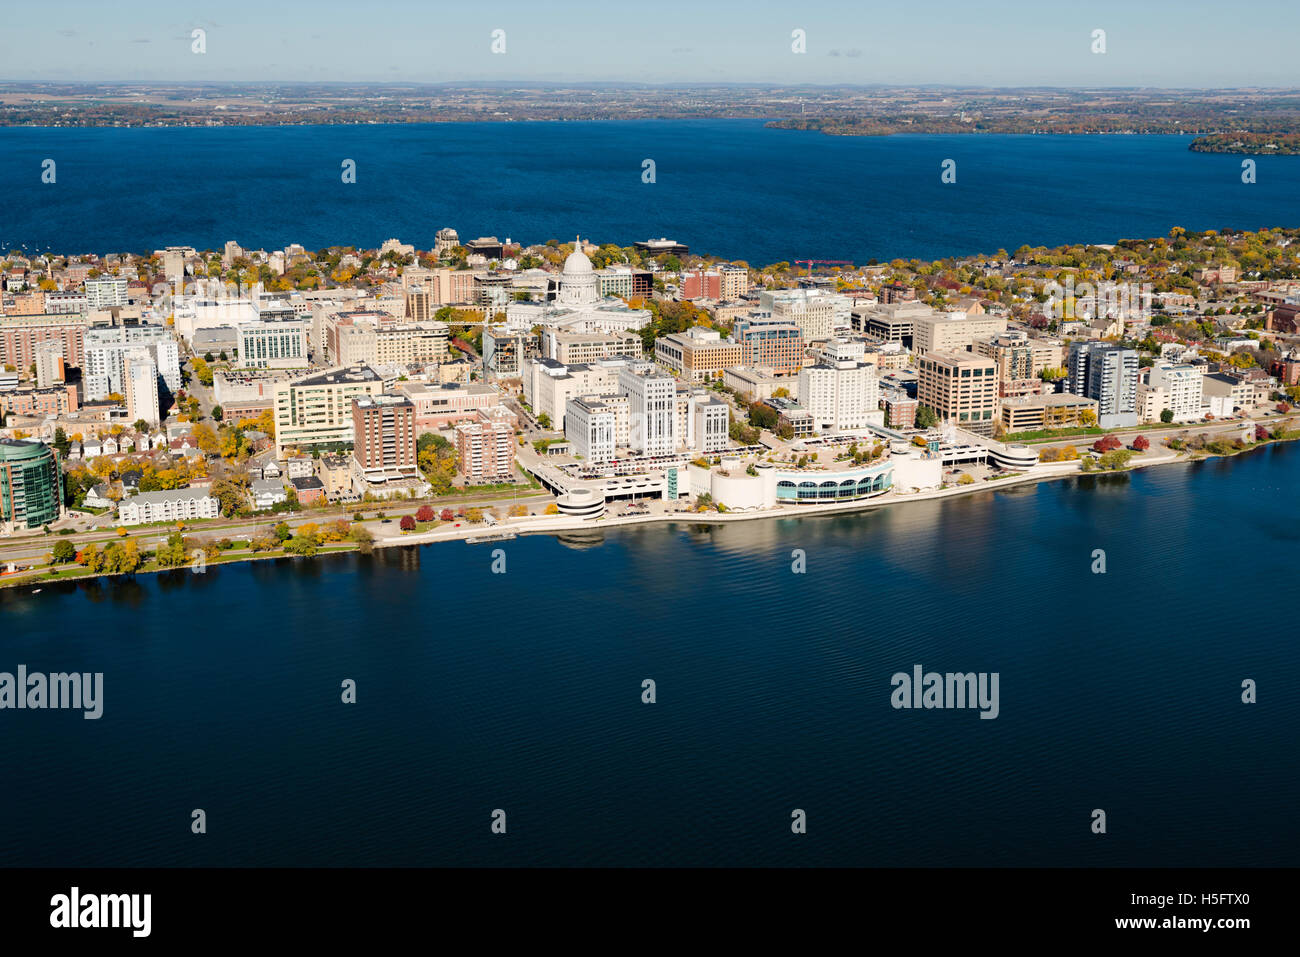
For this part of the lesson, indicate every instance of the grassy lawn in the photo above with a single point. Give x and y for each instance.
(1048, 434)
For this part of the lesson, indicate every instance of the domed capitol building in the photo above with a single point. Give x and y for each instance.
(578, 305)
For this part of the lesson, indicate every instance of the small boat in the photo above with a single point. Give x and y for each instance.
(36, 591)
(492, 537)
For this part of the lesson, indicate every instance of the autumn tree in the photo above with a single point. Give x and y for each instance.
(206, 439)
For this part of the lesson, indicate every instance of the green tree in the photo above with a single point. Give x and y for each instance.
(1167, 416)
(926, 417)
(172, 554)
(282, 532)
(301, 545)
(64, 551)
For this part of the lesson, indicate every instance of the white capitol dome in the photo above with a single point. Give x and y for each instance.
(578, 281)
(577, 264)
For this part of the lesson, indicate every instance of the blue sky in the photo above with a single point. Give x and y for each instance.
(1012, 43)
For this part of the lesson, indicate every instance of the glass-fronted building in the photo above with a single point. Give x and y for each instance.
(31, 486)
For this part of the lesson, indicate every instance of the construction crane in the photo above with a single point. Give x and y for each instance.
(821, 262)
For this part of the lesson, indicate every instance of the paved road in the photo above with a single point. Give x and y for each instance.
(1158, 434)
(35, 547)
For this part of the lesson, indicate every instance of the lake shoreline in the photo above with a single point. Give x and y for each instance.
(559, 525)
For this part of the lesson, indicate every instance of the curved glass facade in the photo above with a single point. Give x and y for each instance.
(31, 489)
(811, 489)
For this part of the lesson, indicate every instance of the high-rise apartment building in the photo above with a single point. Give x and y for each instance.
(1020, 360)
(733, 282)
(486, 452)
(104, 369)
(31, 485)
(105, 292)
(384, 437)
(1108, 373)
(141, 382)
(50, 369)
(1183, 385)
(19, 336)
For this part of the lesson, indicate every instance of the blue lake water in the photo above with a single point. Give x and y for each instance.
(521, 691)
(729, 187)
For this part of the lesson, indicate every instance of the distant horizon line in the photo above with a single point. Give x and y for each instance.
(641, 84)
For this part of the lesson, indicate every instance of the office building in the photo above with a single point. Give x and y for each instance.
(549, 385)
(817, 313)
(505, 347)
(1020, 360)
(773, 345)
(698, 354)
(959, 387)
(572, 348)
(589, 425)
(373, 338)
(273, 343)
(662, 247)
(706, 423)
(652, 397)
(952, 331)
(755, 384)
(1063, 410)
(316, 410)
(891, 321)
(842, 391)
